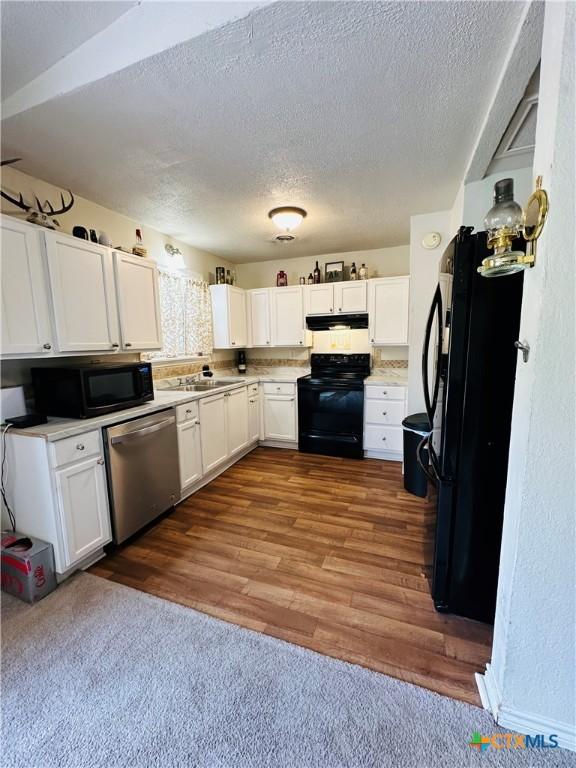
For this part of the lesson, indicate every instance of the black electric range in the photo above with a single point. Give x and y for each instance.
(331, 405)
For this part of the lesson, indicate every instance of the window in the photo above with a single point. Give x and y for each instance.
(186, 315)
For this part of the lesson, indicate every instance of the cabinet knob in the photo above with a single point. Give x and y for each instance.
(339, 309)
(80, 447)
(117, 345)
(267, 342)
(127, 344)
(188, 410)
(384, 413)
(46, 346)
(291, 399)
(372, 340)
(197, 422)
(100, 461)
(301, 342)
(331, 309)
(385, 392)
(233, 343)
(383, 438)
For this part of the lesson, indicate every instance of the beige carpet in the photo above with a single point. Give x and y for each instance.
(98, 674)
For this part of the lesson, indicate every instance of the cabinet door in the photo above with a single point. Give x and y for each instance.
(319, 299)
(350, 296)
(138, 302)
(388, 309)
(189, 453)
(253, 418)
(259, 317)
(82, 282)
(84, 510)
(237, 419)
(213, 431)
(237, 316)
(25, 315)
(280, 417)
(287, 316)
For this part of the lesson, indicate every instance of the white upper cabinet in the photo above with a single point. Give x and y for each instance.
(25, 309)
(388, 299)
(84, 299)
(259, 317)
(319, 299)
(287, 316)
(138, 302)
(350, 297)
(228, 316)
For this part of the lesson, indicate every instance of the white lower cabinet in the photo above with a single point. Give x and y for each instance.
(384, 410)
(237, 420)
(213, 431)
(280, 412)
(189, 445)
(253, 413)
(85, 516)
(59, 493)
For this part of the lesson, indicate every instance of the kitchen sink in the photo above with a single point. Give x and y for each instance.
(203, 386)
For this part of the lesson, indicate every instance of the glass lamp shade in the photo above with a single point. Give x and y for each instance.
(287, 218)
(503, 221)
(503, 224)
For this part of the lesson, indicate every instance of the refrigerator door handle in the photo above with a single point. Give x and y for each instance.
(435, 310)
(426, 442)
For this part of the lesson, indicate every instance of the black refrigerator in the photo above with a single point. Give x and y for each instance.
(470, 393)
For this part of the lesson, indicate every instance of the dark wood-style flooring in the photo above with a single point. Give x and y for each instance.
(331, 554)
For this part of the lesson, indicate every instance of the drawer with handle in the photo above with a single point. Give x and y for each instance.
(384, 412)
(279, 388)
(380, 438)
(76, 448)
(253, 389)
(381, 392)
(186, 412)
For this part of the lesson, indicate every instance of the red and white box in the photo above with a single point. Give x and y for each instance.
(27, 566)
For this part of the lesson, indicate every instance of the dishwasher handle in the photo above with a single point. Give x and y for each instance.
(144, 431)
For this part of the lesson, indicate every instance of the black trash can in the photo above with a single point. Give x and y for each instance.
(416, 427)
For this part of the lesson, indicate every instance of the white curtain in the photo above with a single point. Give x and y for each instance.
(186, 316)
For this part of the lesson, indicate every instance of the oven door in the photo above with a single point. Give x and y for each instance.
(330, 418)
(111, 389)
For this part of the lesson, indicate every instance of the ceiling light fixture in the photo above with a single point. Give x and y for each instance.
(287, 218)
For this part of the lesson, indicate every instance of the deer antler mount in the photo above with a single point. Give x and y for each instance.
(42, 214)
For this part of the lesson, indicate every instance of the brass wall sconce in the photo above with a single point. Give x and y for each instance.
(506, 221)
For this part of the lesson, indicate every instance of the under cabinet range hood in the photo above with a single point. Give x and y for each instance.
(336, 322)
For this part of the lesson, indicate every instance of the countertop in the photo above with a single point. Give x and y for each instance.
(58, 428)
(390, 377)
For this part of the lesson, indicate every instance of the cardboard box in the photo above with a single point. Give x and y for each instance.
(27, 566)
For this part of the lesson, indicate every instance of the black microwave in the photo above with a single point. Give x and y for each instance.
(82, 391)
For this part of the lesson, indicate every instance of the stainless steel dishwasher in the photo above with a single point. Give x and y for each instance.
(143, 475)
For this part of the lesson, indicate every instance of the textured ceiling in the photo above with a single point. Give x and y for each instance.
(35, 35)
(363, 113)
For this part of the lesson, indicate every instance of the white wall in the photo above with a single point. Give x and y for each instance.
(531, 680)
(381, 262)
(120, 229)
(424, 268)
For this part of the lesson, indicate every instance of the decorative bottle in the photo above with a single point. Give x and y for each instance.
(281, 279)
(363, 272)
(138, 247)
(316, 274)
(353, 274)
(310, 279)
